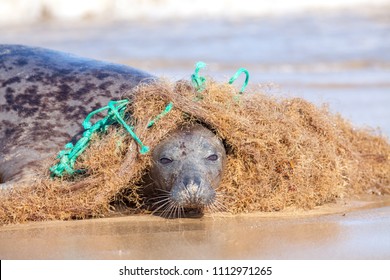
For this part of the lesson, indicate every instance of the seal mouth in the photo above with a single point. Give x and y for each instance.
(192, 194)
(183, 201)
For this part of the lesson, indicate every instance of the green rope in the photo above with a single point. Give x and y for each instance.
(116, 113)
(167, 109)
(238, 73)
(198, 81)
(144, 149)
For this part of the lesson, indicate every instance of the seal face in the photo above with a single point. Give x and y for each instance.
(187, 169)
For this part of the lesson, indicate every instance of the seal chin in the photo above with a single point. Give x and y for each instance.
(192, 196)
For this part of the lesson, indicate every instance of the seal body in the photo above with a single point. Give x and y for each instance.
(44, 97)
(187, 169)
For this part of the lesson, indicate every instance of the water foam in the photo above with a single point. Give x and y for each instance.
(25, 11)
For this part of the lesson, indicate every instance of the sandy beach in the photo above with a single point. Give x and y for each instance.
(356, 229)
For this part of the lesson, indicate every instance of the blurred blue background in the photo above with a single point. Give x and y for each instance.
(335, 52)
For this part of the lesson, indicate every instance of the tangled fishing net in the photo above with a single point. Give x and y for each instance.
(281, 152)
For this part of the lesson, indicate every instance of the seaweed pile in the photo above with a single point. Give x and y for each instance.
(281, 152)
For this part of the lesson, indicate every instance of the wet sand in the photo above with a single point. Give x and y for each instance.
(357, 229)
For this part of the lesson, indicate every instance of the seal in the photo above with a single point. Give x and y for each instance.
(44, 97)
(187, 169)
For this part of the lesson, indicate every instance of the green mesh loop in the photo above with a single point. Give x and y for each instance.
(238, 73)
(198, 82)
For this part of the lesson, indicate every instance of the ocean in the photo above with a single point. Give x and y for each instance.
(334, 52)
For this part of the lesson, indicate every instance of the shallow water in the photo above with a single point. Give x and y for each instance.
(337, 57)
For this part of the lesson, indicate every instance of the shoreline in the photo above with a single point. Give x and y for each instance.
(353, 229)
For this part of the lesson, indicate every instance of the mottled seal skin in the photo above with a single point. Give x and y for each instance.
(188, 166)
(44, 97)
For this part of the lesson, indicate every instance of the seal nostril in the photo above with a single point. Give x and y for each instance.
(192, 181)
(197, 181)
(186, 181)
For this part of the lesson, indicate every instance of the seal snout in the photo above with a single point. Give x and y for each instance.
(193, 193)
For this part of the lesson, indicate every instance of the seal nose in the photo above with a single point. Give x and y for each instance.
(193, 189)
(193, 193)
(187, 181)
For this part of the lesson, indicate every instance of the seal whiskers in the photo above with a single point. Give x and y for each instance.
(163, 204)
(217, 205)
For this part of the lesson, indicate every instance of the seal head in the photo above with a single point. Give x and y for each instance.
(188, 167)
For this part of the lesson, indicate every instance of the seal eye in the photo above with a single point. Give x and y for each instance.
(165, 160)
(212, 157)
